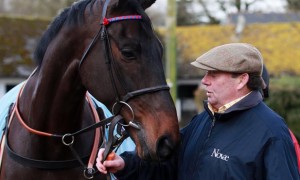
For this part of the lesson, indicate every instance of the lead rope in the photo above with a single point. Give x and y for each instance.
(110, 142)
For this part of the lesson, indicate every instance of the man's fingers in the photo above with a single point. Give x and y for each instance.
(100, 154)
(101, 167)
(113, 163)
(99, 164)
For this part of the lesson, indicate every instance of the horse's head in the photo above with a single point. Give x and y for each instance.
(125, 64)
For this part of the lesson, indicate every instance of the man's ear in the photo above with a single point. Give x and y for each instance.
(242, 81)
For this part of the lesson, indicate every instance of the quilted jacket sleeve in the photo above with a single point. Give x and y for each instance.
(137, 169)
(279, 162)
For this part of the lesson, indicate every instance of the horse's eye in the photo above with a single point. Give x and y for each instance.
(128, 54)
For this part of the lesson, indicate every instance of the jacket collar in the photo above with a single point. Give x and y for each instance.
(248, 102)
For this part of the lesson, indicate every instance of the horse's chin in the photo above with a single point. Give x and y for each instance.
(147, 155)
(153, 157)
(143, 150)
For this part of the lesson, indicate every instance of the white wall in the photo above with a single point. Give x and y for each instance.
(8, 81)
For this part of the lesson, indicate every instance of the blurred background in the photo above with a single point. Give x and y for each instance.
(187, 28)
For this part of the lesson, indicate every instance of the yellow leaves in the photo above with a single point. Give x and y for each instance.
(195, 40)
(279, 43)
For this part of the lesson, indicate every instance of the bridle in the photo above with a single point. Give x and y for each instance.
(103, 35)
(114, 120)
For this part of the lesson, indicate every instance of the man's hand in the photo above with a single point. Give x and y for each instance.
(112, 164)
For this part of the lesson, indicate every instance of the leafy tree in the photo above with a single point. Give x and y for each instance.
(186, 15)
(293, 5)
(1, 6)
(214, 11)
(207, 10)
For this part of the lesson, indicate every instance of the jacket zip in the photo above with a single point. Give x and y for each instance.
(204, 146)
(212, 126)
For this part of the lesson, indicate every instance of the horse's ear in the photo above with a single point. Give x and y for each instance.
(147, 3)
(114, 3)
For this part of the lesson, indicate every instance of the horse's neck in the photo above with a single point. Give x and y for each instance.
(56, 95)
(56, 98)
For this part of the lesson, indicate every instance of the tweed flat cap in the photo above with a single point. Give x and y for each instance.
(234, 57)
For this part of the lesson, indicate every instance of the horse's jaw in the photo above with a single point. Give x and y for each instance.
(158, 135)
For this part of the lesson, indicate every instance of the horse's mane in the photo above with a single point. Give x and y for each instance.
(71, 15)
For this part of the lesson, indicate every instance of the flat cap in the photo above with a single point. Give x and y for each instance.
(234, 57)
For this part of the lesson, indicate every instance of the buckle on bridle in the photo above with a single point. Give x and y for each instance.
(88, 173)
(131, 123)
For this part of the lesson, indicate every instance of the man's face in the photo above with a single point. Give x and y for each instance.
(221, 87)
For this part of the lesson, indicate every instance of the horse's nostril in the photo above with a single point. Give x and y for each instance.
(165, 148)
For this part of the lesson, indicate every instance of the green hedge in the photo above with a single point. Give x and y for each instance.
(285, 100)
(18, 38)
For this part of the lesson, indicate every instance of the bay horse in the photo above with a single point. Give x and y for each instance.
(108, 49)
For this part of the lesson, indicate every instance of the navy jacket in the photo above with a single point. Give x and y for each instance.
(248, 141)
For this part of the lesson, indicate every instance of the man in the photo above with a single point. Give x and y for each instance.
(236, 137)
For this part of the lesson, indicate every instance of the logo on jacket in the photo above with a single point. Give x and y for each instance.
(216, 153)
